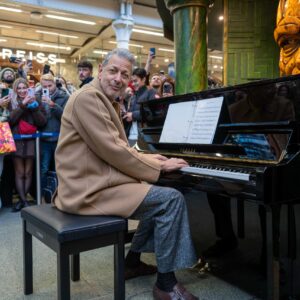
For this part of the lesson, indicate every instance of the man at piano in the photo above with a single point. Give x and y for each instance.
(99, 174)
(257, 105)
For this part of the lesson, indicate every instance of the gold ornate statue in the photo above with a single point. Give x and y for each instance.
(287, 36)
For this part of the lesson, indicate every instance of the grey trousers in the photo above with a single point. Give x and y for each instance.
(164, 229)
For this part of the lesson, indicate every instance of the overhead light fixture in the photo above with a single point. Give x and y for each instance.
(60, 60)
(221, 18)
(148, 32)
(166, 60)
(5, 26)
(132, 45)
(217, 57)
(10, 9)
(48, 46)
(70, 19)
(57, 34)
(100, 52)
(3, 40)
(215, 66)
(167, 50)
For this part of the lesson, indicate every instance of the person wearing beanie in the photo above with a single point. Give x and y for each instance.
(7, 76)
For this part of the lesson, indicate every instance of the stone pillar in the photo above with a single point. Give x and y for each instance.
(124, 24)
(190, 41)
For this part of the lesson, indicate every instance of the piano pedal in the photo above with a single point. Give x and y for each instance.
(201, 266)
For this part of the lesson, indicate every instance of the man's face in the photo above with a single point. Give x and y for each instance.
(84, 73)
(115, 76)
(155, 81)
(8, 76)
(50, 85)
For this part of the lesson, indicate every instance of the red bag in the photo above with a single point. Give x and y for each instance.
(7, 143)
(26, 128)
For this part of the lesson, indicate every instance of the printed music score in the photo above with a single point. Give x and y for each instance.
(192, 122)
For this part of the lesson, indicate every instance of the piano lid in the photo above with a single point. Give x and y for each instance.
(264, 101)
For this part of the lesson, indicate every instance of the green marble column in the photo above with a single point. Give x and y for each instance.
(190, 41)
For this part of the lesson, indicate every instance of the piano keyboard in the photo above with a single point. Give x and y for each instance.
(216, 172)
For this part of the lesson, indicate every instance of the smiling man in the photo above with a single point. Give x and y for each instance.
(99, 174)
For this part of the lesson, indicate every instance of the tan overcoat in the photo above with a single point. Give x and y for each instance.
(98, 173)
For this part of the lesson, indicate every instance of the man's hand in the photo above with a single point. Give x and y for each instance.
(128, 116)
(158, 157)
(173, 164)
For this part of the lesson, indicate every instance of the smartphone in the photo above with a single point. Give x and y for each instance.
(152, 50)
(13, 59)
(31, 92)
(45, 92)
(167, 88)
(4, 92)
(29, 63)
(46, 69)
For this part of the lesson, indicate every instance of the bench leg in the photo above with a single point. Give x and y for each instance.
(75, 267)
(119, 266)
(63, 276)
(27, 261)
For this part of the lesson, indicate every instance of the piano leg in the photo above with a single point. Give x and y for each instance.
(272, 249)
(240, 218)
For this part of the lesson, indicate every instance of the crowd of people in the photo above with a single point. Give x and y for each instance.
(40, 108)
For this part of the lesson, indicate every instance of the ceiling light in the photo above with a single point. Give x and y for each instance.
(48, 46)
(147, 32)
(221, 18)
(132, 45)
(3, 40)
(71, 19)
(217, 57)
(100, 52)
(10, 9)
(167, 50)
(57, 34)
(215, 67)
(5, 26)
(166, 60)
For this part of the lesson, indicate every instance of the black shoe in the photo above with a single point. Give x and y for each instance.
(26, 203)
(221, 247)
(18, 206)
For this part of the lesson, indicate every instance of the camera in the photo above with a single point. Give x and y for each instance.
(152, 50)
(45, 92)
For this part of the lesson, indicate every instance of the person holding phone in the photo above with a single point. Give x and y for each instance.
(25, 118)
(167, 87)
(54, 101)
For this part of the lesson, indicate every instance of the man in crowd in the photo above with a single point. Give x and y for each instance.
(7, 77)
(85, 72)
(99, 174)
(54, 100)
(155, 81)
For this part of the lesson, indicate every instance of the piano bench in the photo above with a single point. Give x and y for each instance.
(67, 235)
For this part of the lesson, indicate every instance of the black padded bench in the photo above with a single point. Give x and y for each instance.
(67, 235)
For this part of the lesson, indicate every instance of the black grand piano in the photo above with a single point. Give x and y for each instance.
(254, 154)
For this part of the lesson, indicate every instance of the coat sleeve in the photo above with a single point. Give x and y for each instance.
(94, 123)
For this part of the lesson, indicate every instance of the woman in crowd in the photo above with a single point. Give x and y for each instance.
(26, 115)
(142, 93)
(4, 117)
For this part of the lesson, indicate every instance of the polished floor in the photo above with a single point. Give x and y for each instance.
(235, 277)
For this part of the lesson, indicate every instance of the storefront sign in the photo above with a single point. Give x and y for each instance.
(40, 57)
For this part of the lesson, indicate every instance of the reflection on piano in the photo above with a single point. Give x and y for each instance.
(254, 155)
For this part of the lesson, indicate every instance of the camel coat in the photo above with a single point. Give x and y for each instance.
(98, 173)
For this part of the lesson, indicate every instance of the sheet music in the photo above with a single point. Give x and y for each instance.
(192, 122)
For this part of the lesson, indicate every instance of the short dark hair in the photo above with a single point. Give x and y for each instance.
(139, 72)
(85, 64)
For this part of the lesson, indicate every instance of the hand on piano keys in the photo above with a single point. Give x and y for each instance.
(173, 164)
